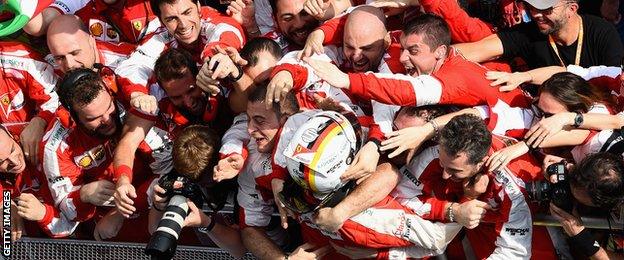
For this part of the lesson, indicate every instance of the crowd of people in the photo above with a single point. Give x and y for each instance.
(386, 129)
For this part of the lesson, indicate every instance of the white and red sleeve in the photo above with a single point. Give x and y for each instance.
(69, 6)
(396, 89)
(235, 139)
(219, 30)
(135, 72)
(63, 175)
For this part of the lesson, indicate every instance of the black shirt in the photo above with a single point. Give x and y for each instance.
(601, 45)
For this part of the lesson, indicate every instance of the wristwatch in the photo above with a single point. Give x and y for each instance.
(578, 120)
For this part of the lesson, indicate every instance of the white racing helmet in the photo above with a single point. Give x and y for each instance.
(321, 150)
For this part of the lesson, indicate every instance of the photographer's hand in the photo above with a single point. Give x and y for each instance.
(124, 194)
(196, 217)
(160, 203)
(570, 223)
(550, 159)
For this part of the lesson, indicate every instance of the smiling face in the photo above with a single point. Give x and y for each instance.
(182, 20)
(551, 20)
(99, 116)
(456, 167)
(11, 155)
(263, 125)
(185, 95)
(293, 21)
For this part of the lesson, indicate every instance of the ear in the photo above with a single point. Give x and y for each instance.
(387, 40)
(440, 52)
(574, 7)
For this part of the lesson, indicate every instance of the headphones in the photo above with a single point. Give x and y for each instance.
(74, 76)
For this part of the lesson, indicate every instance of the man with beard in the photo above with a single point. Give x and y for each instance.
(78, 151)
(180, 103)
(557, 36)
(294, 24)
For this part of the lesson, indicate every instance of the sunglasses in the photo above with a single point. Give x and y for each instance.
(292, 196)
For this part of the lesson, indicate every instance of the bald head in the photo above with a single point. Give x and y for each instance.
(71, 44)
(368, 20)
(365, 38)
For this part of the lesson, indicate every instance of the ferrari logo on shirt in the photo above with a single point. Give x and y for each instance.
(96, 29)
(5, 100)
(92, 158)
(138, 25)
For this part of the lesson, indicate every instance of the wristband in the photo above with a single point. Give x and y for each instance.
(210, 226)
(585, 243)
(240, 74)
(377, 143)
(436, 128)
(450, 213)
(122, 170)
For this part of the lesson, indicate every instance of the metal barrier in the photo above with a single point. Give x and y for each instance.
(68, 249)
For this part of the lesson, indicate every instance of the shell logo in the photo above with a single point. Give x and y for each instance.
(85, 161)
(96, 29)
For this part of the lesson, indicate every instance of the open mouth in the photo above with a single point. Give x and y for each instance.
(186, 33)
(360, 64)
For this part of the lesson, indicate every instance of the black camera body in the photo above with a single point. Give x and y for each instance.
(163, 243)
(558, 193)
(188, 189)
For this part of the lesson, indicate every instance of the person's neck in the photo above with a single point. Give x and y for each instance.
(567, 35)
(191, 47)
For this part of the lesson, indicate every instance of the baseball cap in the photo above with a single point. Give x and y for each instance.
(542, 4)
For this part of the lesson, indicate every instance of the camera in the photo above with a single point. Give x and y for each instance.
(178, 188)
(558, 193)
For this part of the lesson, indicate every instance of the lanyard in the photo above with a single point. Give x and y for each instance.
(579, 45)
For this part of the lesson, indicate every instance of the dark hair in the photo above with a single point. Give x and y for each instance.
(79, 87)
(273, 4)
(434, 30)
(195, 151)
(466, 133)
(288, 105)
(155, 5)
(250, 51)
(432, 111)
(574, 92)
(601, 174)
(173, 64)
